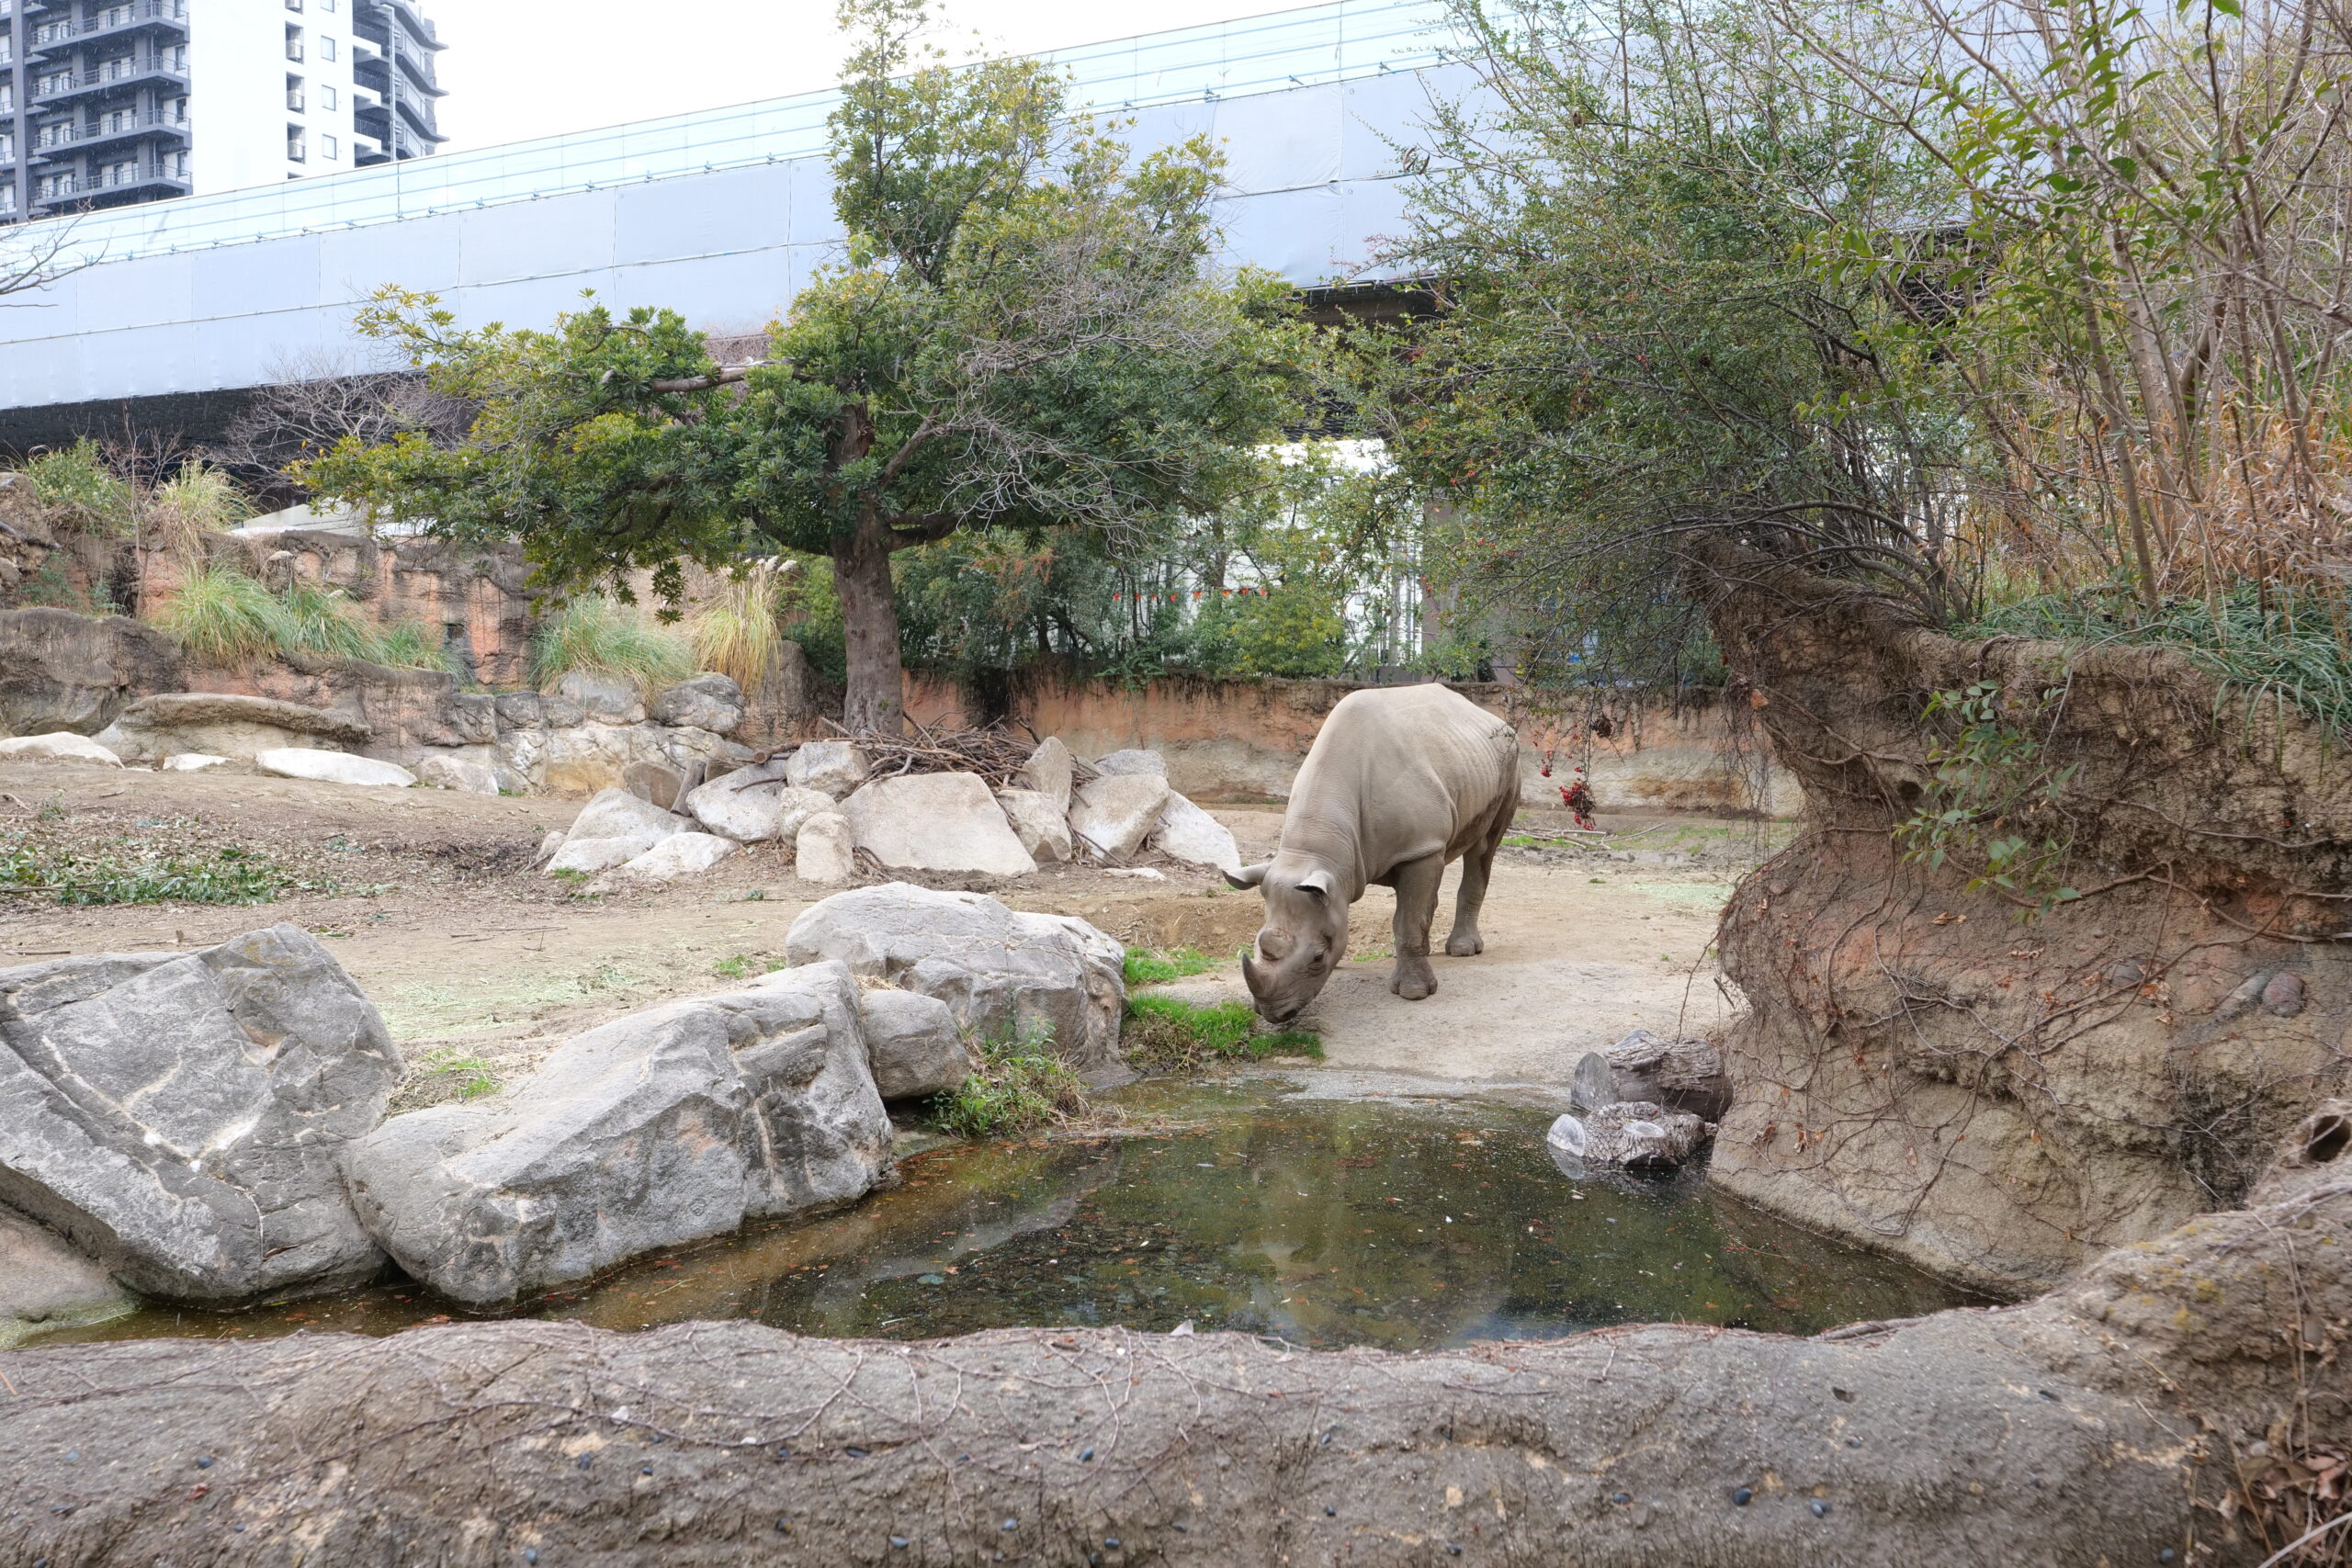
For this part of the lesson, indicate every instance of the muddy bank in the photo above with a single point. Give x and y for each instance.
(1997, 1097)
(2104, 1424)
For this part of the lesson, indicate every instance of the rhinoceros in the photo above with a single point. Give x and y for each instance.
(1399, 782)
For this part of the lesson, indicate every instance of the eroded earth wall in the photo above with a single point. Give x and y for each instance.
(1996, 1094)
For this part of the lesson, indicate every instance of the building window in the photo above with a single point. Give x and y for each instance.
(56, 81)
(114, 16)
(119, 68)
(177, 62)
(294, 93)
(175, 111)
(51, 187)
(326, 96)
(8, 98)
(326, 4)
(7, 198)
(328, 150)
(118, 119)
(178, 166)
(56, 133)
(326, 47)
(123, 174)
(293, 41)
(7, 146)
(296, 145)
(293, 4)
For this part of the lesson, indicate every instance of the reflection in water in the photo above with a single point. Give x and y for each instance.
(1326, 1223)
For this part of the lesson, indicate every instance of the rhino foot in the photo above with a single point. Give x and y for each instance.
(1464, 944)
(1413, 979)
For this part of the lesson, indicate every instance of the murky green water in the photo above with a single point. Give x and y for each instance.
(1405, 1226)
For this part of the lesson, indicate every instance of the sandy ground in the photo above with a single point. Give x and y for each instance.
(480, 965)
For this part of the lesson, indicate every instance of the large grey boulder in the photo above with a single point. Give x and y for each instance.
(662, 1128)
(606, 699)
(179, 1116)
(1039, 822)
(613, 828)
(709, 702)
(912, 1044)
(835, 767)
(999, 971)
(936, 822)
(46, 1284)
(680, 854)
(444, 772)
(824, 851)
(1117, 812)
(1050, 771)
(1132, 763)
(755, 803)
(1186, 832)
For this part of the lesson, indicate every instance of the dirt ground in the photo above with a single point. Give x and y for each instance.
(481, 964)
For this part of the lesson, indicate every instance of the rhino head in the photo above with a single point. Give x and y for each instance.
(1300, 944)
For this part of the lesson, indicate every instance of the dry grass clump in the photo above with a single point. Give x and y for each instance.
(738, 633)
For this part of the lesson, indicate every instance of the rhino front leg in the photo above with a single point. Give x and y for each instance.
(1476, 867)
(1416, 883)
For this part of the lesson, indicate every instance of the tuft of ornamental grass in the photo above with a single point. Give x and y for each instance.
(599, 635)
(194, 503)
(738, 634)
(411, 645)
(1017, 1084)
(221, 616)
(312, 619)
(1164, 1035)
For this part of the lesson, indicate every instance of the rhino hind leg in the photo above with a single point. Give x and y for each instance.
(1476, 867)
(1416, 882)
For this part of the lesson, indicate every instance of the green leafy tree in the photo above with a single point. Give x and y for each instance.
(1023, 335)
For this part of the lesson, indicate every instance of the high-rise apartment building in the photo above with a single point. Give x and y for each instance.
(108, 102)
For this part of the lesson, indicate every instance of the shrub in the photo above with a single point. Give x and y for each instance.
(1163, 1035)
(77, 480)
(1018, 1084)
(225, 876)
(221, 616)
(601, 635)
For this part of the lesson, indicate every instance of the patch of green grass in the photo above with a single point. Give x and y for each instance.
(471, 1076)
(2283, 645)
(1163, 1035)
(1145, 967)
(1521, 842)
(1018, 1084)
(743, 966)
(226, 877)
(411, 645)
(221, 616)
(601, 636)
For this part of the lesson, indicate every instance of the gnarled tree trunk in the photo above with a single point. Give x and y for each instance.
(875, 700)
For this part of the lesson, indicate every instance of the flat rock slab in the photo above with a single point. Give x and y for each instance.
(662, 1128)
(62, 746)
(709, 702)
(332, 767)
(824, 851)
(680, 854)
(936, 822)
(179, 1116)
(46, 1284)
(1132, 763)
(1039, 822)
(1000, 972)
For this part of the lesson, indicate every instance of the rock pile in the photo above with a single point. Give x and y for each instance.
(824, 799)
(209, 1127)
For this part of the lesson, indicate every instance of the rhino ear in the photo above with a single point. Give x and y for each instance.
(1249, 875)
(1317, 882)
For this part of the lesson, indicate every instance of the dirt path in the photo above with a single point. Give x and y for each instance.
(480, 965)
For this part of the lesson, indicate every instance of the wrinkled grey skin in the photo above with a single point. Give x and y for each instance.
(1400, 782)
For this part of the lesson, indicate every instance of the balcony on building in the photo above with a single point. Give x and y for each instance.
(166, 17)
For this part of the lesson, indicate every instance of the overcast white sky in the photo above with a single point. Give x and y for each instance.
(519, 69)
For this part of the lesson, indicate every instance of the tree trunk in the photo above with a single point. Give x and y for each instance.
(875, 703)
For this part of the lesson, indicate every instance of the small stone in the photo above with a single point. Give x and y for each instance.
(1741, 1496)
(900, 1542)
(1009, 1525)
(930, 1278)
(2283, 998)
(1853, 1442)
(586, 1459)
(784, 1453)
(645, 1470)
(2166, 1555)
(1085, 1456)
(1329, 1512)
(204, 1463)
(1620, 1496)
(854, 1452)
(1820, 1510)
(1111, 1541)
(531, 1554)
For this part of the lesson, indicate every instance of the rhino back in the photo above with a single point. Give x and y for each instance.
(1398, 772)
